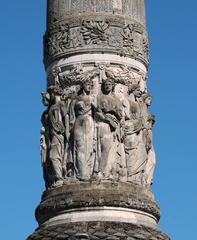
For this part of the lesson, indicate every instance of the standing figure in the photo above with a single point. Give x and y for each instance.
(149, 121)
(135, 149)
(56, 127)
(83, 132)
(45, 141)
(108, 115)
(44, 148)
(68, 167)
(151, 161)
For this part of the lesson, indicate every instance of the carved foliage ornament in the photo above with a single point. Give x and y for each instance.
(94, 32)
(129, 39)
(77, 75)
(57, 40)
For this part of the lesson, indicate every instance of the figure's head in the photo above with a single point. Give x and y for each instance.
(44, 118)
(45, 98)
(87, 85)
(135, 89)
(55, 91)
(147, 98)
(108, 85)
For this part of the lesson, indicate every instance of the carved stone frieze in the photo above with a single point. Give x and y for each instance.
(96, 34)
(75, 75)
(98, 231)
(97, 126)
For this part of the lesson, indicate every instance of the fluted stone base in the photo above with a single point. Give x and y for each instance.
(105, 210)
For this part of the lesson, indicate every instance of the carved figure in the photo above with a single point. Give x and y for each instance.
(147, 132)
(68, 168)
(108, 137)
(147, 100)
(108, 116)
(151, 161)
(44, 148)
(135, 149)
(56, 120)
(83, 132)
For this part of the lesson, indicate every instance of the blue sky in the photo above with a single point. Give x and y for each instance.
(172, 81)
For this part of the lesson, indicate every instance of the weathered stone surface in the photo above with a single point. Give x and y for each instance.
(95, 194)
(90, 33)
(98, 231)
(79, 26)
(96, 126)
(59, 9)
(96, 138)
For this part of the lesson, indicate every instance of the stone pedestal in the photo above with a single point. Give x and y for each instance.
(96, 141)
(98, 211)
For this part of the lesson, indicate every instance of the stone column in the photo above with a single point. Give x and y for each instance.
(96, 140)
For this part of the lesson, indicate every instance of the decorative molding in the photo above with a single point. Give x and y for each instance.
(98, 231)
(96, 34)
(75, 195)
(77, 74)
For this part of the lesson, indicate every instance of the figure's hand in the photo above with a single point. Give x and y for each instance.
(100, 116)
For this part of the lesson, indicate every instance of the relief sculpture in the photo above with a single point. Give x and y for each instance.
(148, 124)
(52, 138)
(83, 132)
(94, 32)
(134, 144)
(97, 127)
(108, 117)
(120, 37)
